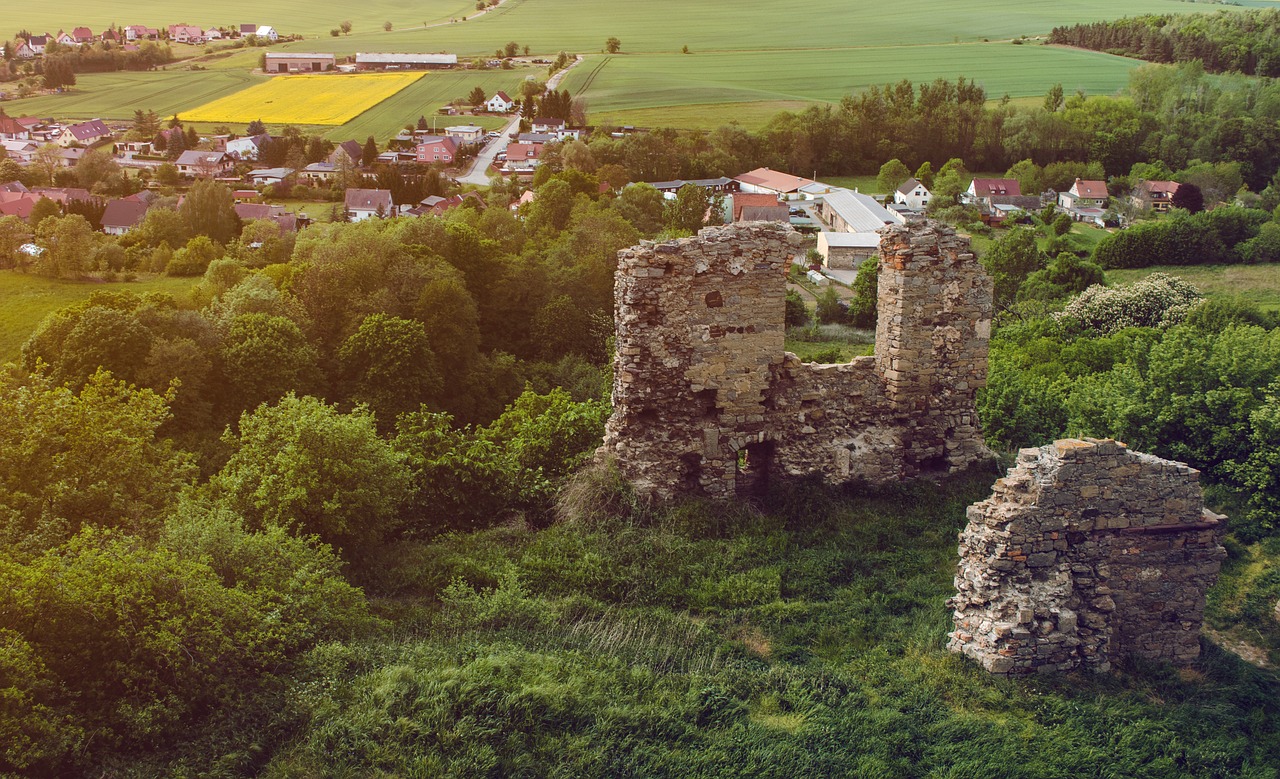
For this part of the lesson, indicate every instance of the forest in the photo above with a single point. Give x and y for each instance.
(1246, 42)
(333, 513)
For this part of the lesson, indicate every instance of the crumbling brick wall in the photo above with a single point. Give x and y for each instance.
(706, 401)
(1086, 551)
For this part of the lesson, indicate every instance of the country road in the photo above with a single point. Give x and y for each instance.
(478, 173)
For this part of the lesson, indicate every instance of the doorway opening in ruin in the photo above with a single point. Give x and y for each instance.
(691, 472)
(754, 463)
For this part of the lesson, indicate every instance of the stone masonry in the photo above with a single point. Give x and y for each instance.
(1085, 552)
(706, 402)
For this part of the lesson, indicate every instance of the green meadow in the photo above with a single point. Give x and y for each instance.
(1258, 284)
(25, 300)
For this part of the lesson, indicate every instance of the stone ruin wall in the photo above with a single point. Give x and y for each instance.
(700, 373)
(1085, 552)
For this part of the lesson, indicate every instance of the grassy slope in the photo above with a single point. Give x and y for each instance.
(1259, 284)
(25, 300)
(714, 641)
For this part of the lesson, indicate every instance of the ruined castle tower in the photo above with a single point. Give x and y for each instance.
(706, 402)
(1086, 551)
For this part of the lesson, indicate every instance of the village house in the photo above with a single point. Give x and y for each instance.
(17, 204)
(764, 181)
(109, 36)
(352, 150)
(140, 32)
(399, 61)
(203, 164)
(248, 147)
(318, 173)
(500, 103)
(213, 34)
(267, 176)
(546, 125)
(523, 156)
(1154, 195)
(1084, 194)
(287, 222)
(268, 32)
(23, 50)
(38, 43)
(435, 205)
(980, 189)
(436, 149)
(362, 204)
(298, 62)
(19, 151)
(248, 29)
(186, 33)
(913, 194)
(82, 36)
(13, 130)
(84, 133)
(122, 216)
(64, 39)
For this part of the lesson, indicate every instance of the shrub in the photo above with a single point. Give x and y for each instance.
(1159, 301)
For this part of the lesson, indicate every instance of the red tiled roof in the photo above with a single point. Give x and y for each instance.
(773, 179)
(1090, 189)
(989, 187)
(743, 200)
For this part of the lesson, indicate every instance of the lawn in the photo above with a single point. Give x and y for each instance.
(1258, 284)
(118, 95)
(423, 97)
(315, 100)
(719, 82)
(25, 300)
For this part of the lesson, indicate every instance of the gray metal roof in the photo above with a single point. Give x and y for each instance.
(861, 212)
(382, 58)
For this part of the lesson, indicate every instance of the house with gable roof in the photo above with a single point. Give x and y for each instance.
(500, 103)
(1154, 195)
(1084, 194)
(84, 133)
(362, 204)
(912, 194)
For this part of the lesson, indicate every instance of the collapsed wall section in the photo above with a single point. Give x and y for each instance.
(1086, 551)
(706, 401)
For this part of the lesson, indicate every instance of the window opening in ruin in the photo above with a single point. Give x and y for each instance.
(691, 472)
(754, 463)
(706, 400)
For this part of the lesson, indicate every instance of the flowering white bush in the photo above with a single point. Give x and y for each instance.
(1159, 300)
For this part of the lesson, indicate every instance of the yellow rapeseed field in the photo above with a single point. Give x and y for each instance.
(328, 99)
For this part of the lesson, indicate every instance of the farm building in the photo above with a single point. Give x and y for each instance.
(855, 220)
(291, 62)
(395, 61)
(772, 182)
(717, 185)
(759, 208)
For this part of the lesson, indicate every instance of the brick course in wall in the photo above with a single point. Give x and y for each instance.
(1086, 551)
(707, 402)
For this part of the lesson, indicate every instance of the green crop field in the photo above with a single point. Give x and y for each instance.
(657, 26)
(618, 88)
(117, 95)
(423, 97)
(25, 300)
(309, 17)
